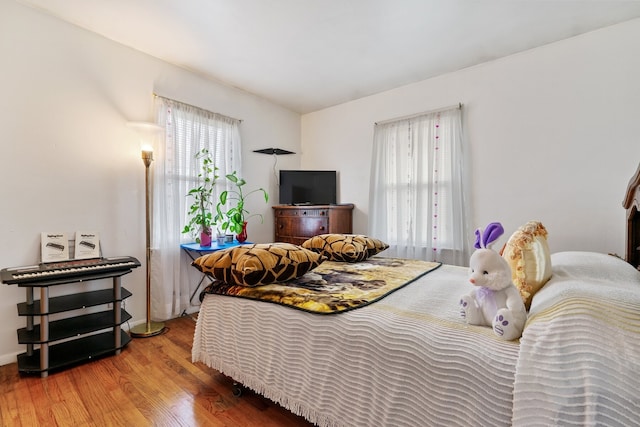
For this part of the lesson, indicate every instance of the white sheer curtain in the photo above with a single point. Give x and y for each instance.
(417, 188)
(188, 130)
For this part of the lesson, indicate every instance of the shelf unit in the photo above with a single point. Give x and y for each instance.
(74, 339)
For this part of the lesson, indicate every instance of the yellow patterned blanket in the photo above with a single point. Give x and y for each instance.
(334, 287)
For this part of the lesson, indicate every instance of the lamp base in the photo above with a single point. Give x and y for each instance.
(146, 330)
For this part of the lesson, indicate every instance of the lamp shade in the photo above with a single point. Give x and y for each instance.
(147, 132)
(276, 151)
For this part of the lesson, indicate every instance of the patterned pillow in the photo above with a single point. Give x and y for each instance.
(527, 253)
(374, 246)
(345, 247)
(259, 264)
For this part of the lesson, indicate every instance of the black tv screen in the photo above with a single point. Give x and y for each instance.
(303, 187)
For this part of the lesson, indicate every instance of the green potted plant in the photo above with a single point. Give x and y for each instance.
(235, 217)
(200, 216)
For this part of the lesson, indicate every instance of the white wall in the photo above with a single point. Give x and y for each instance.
(553, 134)
(68, 160)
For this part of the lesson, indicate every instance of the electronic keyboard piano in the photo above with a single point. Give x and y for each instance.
(80, 335)
(65, 270)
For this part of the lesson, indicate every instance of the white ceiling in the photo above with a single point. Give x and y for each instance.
(310, 54)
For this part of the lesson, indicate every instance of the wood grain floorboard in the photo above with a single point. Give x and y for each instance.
(151, 383)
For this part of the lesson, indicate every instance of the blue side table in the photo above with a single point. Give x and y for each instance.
(194, 250)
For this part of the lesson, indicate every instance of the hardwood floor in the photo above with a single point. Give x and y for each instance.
(151, 383)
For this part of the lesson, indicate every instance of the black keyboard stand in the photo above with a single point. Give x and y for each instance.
(88, 334)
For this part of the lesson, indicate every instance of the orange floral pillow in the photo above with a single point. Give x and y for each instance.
(527, 253)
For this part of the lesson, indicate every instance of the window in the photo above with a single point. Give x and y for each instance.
(416, 201)
(188, 130)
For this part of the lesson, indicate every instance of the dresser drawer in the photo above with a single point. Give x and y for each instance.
(301, 213)
(301, 227)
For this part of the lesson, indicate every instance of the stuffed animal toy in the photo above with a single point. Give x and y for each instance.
(494, 301)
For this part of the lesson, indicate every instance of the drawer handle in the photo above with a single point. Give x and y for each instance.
(304, 213)
(321, 228)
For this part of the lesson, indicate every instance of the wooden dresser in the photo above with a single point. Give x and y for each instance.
(632, 204)
(295, 224)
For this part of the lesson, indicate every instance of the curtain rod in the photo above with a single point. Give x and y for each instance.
(194, 106)
(411, 116)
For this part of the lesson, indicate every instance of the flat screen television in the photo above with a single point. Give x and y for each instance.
(306, 187)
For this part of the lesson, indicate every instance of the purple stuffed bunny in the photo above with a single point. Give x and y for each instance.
(494, 301)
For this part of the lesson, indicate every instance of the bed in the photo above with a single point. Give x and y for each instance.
(408, 359)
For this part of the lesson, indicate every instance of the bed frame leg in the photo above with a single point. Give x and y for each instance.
(237, 389)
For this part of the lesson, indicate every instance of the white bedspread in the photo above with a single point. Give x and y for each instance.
(408, 360)
(580, 352)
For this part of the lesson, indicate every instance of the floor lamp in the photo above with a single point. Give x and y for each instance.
(147, 131)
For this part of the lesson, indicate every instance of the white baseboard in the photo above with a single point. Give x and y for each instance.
(6, 359)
